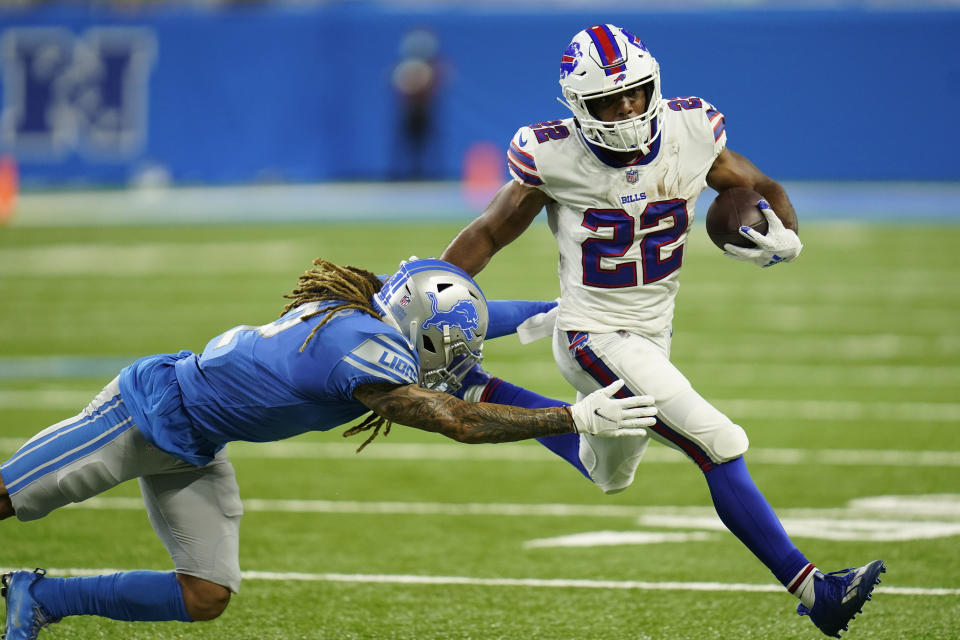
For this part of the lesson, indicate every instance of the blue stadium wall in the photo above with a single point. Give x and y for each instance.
(286, 94)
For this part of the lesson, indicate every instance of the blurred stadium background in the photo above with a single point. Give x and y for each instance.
(168, 168)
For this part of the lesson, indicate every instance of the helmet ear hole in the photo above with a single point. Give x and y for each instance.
(428, 344)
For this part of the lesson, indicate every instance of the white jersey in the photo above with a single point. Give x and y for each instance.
(620, 229)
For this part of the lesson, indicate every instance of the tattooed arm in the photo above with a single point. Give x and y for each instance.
(470, 422)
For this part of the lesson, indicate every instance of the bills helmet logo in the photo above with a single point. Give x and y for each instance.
(634, 40)
(463, 315)
(619, 78)
(570, 59)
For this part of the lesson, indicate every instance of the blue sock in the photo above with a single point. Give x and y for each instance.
(748, 515)
(132, 595)
(566, 445)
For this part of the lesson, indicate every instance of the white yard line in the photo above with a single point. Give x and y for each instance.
(294, 450)
(737, 408)
(150, 259)
(822, 375)
(537, 583)
(946, 508)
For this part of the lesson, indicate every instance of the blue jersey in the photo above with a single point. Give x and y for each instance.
(254, 383)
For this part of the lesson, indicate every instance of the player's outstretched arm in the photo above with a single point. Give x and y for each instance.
(476, 422)
(507, 216)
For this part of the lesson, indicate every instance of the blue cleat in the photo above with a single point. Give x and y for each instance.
(840, 596)
(25, 616)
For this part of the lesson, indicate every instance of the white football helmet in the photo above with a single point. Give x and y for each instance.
(442, 312)
(603, 60)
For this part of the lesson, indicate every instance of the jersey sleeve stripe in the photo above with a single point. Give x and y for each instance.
(374, 357)
(400, 351)
(521, 157)
(522, 175)
(376, 370)
(718, 122)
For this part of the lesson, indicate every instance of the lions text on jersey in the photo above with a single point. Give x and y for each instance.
(254, 384)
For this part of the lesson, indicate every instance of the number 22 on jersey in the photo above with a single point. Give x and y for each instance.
(653, 265)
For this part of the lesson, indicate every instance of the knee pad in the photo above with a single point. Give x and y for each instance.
(612, 462)
(694, 419)
(730, 443)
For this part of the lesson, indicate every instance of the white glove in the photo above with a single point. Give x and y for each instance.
(600, 414)
(537, 326)
(779, 245)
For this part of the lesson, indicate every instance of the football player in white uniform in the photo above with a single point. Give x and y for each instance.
(619, 181)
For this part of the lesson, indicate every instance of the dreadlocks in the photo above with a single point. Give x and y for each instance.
(347, 288)
(372, 421)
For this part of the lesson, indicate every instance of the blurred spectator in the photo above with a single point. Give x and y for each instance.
(416, 78)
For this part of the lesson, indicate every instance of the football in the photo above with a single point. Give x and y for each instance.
(732, 209)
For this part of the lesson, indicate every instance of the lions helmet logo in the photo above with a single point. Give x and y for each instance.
(463, 315)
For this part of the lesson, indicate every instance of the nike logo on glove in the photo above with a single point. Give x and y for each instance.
(597, 413)
(522, 142)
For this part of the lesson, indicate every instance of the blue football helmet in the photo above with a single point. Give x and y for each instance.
(442, 312)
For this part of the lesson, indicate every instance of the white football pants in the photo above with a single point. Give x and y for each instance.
(685, 421)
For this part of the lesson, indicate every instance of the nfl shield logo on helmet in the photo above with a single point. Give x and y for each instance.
(632, 175)
(404, 301)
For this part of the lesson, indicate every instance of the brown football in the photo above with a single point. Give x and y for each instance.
(732, 209)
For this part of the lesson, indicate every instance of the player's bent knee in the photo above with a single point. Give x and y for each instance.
(730, 443)
(204, 600)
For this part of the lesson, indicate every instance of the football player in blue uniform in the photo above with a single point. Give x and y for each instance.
(345, 345)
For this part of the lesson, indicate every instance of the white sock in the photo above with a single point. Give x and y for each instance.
(473, 394)
(802, 585)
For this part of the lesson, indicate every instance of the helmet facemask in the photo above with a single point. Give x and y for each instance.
(605, 60)
(460, 359)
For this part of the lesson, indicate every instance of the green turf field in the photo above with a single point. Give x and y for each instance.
(843, 367)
